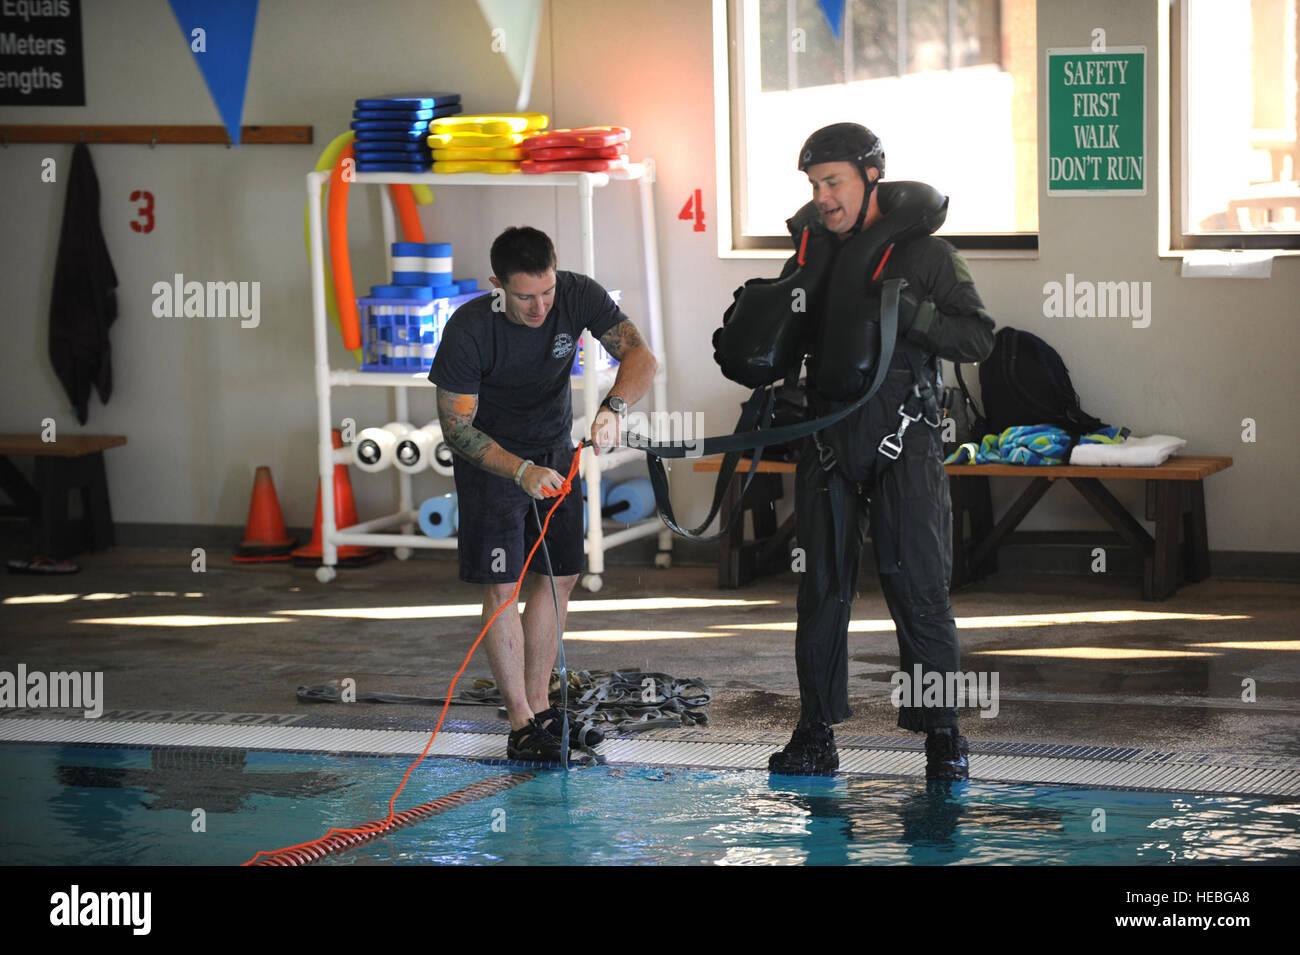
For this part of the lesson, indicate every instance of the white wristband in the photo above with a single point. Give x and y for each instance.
(520, 472)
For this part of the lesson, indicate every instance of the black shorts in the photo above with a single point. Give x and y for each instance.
(497, 528)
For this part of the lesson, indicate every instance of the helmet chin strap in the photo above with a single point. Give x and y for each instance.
(866, 201)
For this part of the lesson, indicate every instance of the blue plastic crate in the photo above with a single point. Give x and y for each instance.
(402, 334)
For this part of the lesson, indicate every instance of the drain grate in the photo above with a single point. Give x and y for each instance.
(1100, 767)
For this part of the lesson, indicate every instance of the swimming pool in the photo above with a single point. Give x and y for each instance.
(98, 805)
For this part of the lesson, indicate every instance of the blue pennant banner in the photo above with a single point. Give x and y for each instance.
(834, 13)
(220, 35)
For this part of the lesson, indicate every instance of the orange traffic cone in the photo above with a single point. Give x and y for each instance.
(265, 538)
(345, 515)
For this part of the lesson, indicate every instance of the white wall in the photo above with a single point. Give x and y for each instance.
(205, 401)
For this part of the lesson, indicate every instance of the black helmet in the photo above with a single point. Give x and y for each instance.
(844, 142)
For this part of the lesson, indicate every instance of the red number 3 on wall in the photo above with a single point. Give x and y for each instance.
(144, 212)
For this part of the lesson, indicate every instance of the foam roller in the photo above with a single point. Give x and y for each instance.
(441, 460)
(609, 509)
(440, 516)
(415, 452)
(376, 448)
(637, 495)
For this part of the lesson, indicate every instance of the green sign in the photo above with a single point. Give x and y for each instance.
(1096, 122)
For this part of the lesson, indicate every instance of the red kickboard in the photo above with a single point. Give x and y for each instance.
(578, 152)
(586, 136)
(571, 165)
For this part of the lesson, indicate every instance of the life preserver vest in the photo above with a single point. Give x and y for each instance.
(766, 332)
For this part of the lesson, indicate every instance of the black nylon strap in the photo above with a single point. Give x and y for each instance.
(751, 435)
(979, 415)
(756, 409)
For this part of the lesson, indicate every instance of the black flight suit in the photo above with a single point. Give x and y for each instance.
(906, 499)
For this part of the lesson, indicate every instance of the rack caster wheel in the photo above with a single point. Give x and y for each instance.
(591, 582)
(664, 559)
(402, 553)
(326, 573)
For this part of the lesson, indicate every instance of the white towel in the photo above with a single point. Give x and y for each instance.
(1134, 453)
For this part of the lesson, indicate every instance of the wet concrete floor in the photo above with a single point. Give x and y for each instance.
(1075, 659)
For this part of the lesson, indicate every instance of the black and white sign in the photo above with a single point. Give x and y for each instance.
(40, 53)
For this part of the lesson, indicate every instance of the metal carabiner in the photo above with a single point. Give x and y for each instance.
(825, 453)
(908, 418)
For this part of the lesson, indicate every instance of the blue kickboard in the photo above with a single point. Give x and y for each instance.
(393, 114)
(392, 167)
(405, 115)
(391, 135)
(400, 126)
(368, 158)
(390, 146)
(409, 116)
(409, 101)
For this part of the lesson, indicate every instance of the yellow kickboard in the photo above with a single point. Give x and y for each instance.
(471, 166)
(474, 141)
(506, 154)
(490, 124)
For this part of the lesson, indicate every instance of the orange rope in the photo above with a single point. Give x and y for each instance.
(370, 830)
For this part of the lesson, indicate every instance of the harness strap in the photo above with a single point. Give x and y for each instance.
(922, 404)
(756, 409)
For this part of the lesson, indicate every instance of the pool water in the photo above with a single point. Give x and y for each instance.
(102, 806)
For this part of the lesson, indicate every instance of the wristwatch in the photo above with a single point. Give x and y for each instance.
(615, 404)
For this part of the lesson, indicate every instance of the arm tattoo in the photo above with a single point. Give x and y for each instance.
(620, 338)
(456, 414)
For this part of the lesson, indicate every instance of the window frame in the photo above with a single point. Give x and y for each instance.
(1172, 73)
(729, 129)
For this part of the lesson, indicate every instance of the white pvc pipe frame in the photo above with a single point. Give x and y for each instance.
(586, 183)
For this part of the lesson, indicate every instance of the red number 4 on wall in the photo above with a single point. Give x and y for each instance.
(694, 209)
(144, 212)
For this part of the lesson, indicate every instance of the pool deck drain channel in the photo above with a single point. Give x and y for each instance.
(1096, 767)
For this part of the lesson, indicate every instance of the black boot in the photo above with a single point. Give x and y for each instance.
(810, 752)
(946, 754)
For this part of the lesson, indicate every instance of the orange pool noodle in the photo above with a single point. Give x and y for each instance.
(340, 261)
(404, 200)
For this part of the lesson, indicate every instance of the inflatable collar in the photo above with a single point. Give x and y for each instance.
(766, 331)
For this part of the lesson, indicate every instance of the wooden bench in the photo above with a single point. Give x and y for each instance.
(1175, 501)
(72, 463)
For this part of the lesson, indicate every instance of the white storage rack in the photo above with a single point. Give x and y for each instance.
(593, 383)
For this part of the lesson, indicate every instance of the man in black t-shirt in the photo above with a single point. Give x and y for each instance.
(504, 401)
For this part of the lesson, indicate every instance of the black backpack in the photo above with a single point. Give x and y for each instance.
(1025, 382)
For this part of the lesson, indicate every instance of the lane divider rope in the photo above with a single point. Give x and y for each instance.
(340, 840)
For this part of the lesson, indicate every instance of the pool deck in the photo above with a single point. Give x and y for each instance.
(1073, 680)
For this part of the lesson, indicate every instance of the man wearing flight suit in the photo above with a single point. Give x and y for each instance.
(863, 467)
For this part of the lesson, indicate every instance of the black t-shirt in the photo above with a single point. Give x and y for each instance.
(521, 374)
